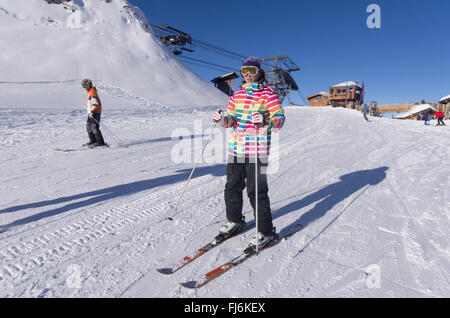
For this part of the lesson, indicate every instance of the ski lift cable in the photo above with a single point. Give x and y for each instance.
(212, 47)
(208, 63)
(237, 57)
(219, 48)
(226, 51)
(172, 32)
(302, 97)
(218, 51)
(205, 66)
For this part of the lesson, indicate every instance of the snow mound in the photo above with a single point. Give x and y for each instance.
(49, 48)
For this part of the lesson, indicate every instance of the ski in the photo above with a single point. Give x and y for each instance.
(70, 150)
(219, 239)
(81, 149)
(245, 255)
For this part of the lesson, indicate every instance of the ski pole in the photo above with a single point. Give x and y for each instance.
(117, 139)
(256, 185)
(193, 169)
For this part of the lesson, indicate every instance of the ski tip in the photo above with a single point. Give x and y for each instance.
(191, 284)
(165, 271)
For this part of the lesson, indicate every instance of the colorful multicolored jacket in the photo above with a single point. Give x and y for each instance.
(253, 97)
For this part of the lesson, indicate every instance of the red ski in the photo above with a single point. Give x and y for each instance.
(238, 260)
(190, 258)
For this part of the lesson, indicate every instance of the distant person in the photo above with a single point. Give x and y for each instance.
(365, 110)
(440, 119)
(94, 110)
(254, 109)
(426, 118)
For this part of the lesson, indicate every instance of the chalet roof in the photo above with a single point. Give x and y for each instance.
(225, 77)
(415, 110)
(445, 99)
(318, 94)
(346, 84)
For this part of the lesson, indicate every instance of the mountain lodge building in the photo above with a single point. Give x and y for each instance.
(345, 94)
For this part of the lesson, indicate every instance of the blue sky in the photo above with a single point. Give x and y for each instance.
(406, 60)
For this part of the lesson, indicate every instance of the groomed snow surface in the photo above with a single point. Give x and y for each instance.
(373, 197)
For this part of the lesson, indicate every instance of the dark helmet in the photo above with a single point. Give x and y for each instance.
(86, 83)
(252, 61)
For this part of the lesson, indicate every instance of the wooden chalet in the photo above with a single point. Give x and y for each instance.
(444, 106)
(319, 99)
(417, 111)
(225, 83)
(345, 94)
(395, 108)
(405, 109)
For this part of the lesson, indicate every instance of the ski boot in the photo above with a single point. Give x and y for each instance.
(260, 240)
(228, 229)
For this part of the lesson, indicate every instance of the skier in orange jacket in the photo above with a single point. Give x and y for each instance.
(94, 110)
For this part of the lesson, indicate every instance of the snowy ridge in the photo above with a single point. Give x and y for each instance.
(121, 93)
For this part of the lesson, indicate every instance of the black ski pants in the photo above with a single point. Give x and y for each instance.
(241, 174)
(93, 130)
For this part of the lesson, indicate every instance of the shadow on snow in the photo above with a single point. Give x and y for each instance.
(328, 196)
(96, 196)
(162, 139)
(331, 195)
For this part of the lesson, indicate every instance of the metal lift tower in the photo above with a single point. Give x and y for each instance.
(278, 75)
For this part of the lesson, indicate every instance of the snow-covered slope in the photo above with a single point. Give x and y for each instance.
(46, 49)
(373, 197)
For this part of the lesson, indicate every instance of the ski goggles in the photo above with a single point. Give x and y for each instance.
(252, 70)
